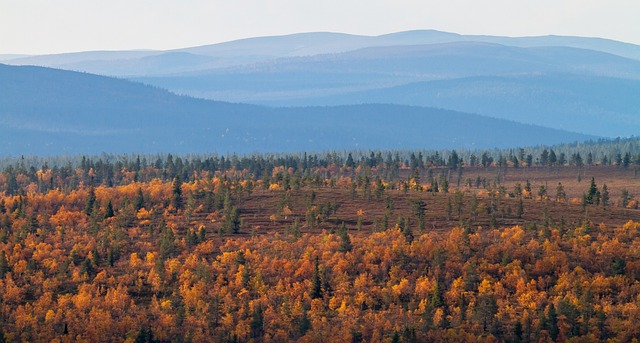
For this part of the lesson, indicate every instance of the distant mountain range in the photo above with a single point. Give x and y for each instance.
(260, 49)
(50, 112)
(585, 85)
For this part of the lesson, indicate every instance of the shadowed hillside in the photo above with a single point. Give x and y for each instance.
(47, 111)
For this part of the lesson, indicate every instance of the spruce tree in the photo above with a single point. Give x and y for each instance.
(592, 195)
(176, 193)
(4, 264)
(108, 212)
(605, 196)
(345, 240)
(139, 202)
(316, 282)
(553, 322)
(91, 200)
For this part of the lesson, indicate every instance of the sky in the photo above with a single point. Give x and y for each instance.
(46, 26)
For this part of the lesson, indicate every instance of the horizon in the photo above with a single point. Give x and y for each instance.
(311, 32)
(37, 27)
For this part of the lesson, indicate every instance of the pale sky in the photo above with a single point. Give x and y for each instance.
(55, 26)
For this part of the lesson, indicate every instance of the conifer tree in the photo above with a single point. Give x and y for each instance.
(316, 282)
(593, 192)
(605, 196)
(345, 240)
(176, 193)
(108, 212)
(4, 264)
(91, 200)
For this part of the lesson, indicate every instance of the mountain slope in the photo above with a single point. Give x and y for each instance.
(48, 111)
(597, 105)
(568, 88)
(374, 68)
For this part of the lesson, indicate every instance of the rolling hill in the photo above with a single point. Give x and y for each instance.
(599, 105)
(575, 89)
(587, 85)
(260, 49)
(47, 111)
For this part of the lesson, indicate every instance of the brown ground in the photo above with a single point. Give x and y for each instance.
(257, 210)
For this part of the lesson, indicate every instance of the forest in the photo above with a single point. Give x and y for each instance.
(533, 244)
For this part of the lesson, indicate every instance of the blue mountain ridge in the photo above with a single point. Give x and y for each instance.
(46, 111)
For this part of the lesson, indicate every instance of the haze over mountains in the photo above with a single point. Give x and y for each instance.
(251, 50)
(48, 111)
(585, 85)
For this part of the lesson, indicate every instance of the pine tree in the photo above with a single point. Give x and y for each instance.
(176, 193)
(605, 196)
(624, 197)
(108, 212)
(256, 326)
(527, 188)
(517, 332)
(592, 195)
(316, 282)
(345, 240)
(91, 200)
(553, 322)
(202, 235)
(350, 163)
(520, 210)
(139, 202)
(406, 230)
(144, 336)
(4, 264)
(167, 243)
(232, 221)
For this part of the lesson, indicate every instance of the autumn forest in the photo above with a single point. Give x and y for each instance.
(534, 244)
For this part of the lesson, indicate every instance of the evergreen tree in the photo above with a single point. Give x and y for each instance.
(434, 186)
(202, 235)
(4, 264)
(139, 201)
(176, 193)
(419, 207)
(445, 186)
(256, 326)
(396, 337)
(517, 332)
(406, 230)
(144, 336)
(303, 324)
(520, 210)
(345, 240)
(619, 266)
(624, 197)
(544, 157)
(527, 188)
(415, 177)
(552, 158)
(379, 191)
(90, 201)
(350, 163)
(552, 318)
(605, 196)
(316, 282)
(108, 212)
(592, 195)
(167, 243)
(232, 221)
